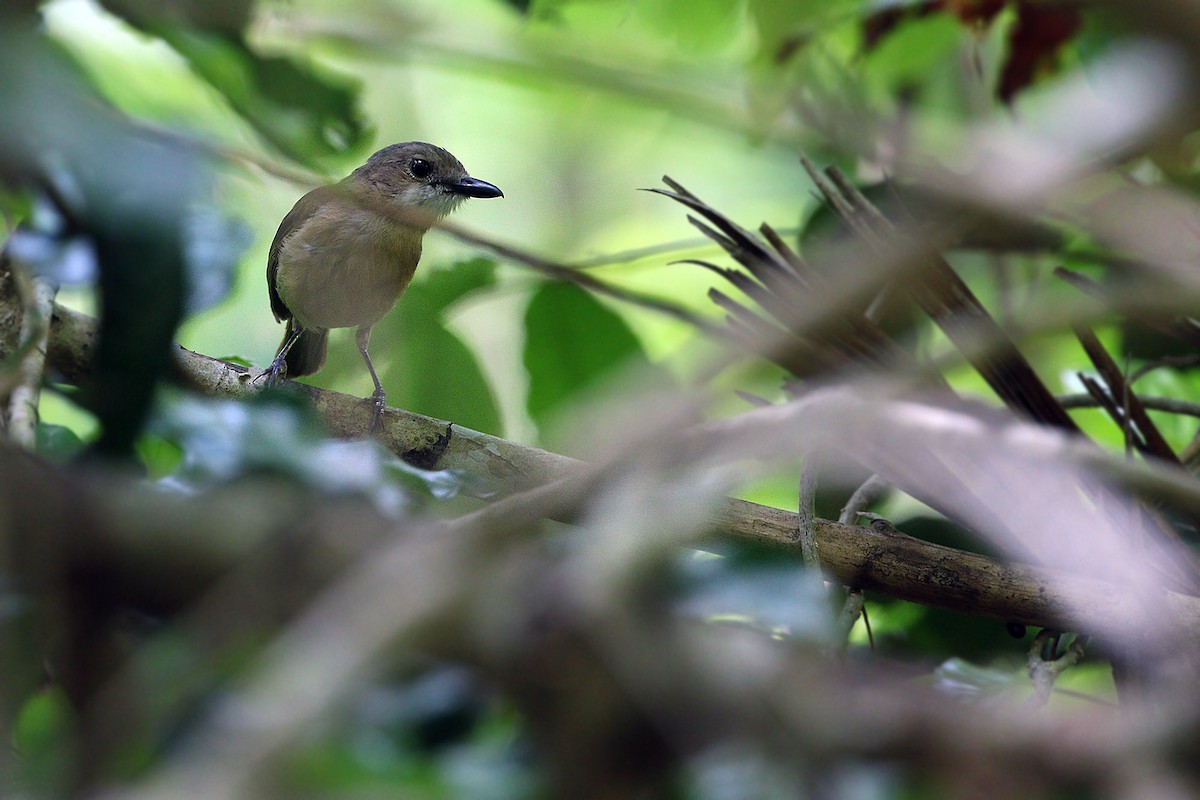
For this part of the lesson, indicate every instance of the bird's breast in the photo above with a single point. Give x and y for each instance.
(346, 269)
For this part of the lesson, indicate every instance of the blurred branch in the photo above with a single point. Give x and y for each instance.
(400, 593)
(893, 564)
(1045, 664)
(35, 333)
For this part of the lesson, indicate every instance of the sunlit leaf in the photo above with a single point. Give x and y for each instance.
(572, 342)
(445, 287)
(160, 456)
(431, 370)
(696, 26)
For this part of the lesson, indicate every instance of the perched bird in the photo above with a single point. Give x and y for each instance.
(345, 253)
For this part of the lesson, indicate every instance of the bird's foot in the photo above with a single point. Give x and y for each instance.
(275, 373)
(378, 399)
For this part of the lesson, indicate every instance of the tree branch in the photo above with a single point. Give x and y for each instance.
(897, 565)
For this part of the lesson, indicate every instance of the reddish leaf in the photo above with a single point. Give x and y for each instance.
(1037, 36)
(975, 13)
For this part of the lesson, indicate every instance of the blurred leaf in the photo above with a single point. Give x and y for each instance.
(16, 204)
(438, 707)
(214, 245)
(431, 371)
(777, 597)
(160, 456)
(306, 115)
(785, 25)
(57, 443)
(1034, 43)
(572, 342)
(695, 26)
(964, 679)
(67, 260)
(904, 629)
(550, 9)
(442, 484)
(276, 433)
(128, 194)
(910, 56)
(445, 287)
(41, 736)
(219, 15)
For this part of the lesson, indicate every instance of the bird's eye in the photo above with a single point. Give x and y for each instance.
(420, 168)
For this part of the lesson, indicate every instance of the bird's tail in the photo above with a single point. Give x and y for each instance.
(308, 353)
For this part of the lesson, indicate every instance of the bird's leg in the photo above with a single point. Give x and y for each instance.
(379, 397)
(278, 369)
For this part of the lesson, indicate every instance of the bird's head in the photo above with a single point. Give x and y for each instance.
(422, 176)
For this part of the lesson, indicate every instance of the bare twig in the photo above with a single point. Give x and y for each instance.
(1129, 402)
(1167, 404)
(864, 496)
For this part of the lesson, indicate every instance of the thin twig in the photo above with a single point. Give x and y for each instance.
(864, 496)
(1165, 404)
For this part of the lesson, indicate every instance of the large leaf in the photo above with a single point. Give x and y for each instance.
(445, 287)
(306, 114)
(430, 370)
(127, 194)
(571, 342)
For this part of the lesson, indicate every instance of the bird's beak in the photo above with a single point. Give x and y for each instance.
(473, 187)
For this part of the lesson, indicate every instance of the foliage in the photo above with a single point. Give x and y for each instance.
(441, 646)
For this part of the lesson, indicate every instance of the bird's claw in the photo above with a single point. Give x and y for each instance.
(274, 374)
(378, 399)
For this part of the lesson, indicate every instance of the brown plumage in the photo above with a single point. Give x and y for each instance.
(345, 253)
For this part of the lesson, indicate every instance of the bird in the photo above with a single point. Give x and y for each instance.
(346, 252)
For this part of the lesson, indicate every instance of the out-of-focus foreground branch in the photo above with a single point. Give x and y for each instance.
(896, 565)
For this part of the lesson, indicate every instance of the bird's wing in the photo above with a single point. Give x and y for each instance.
(304, 209)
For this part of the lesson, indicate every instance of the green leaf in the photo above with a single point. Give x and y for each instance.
(782, 24)
(445, 287)
(432, 371)
(916, 52)
(42, 736)
(306, 115)
(160, 456)
(696, 26)
(572, 342)
(222, 15)
(57, 443)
